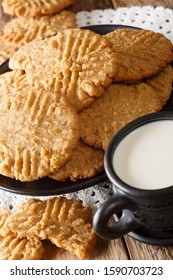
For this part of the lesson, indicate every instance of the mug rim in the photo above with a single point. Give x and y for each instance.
(116, 139)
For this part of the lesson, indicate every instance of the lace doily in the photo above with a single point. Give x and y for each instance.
(157, 19)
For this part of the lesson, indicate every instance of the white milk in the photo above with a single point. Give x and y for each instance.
(144, 158)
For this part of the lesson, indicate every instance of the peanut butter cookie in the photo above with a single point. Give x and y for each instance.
(5, 50)
(76, 64)
(4, 213)
(67, 223)
(121, 104)
(16, 248)
(162, 84)
(7, 88)
(85, 162)
(32, 8)
(37, 134)
(13, 247)
(20, 31)
(141, 53)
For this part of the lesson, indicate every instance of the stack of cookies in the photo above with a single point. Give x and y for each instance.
(33, 20)
(141, 85)
(53, 79)
(70, 93)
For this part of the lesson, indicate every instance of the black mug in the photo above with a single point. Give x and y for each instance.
(134, 207)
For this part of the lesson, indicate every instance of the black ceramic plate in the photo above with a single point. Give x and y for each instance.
(47, 186)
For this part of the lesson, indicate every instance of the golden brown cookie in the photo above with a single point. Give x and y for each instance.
(67, 223)
(85, 162)
(162, 84)
(32, 8)
(119, 105)
(20, 31)
(141, 53)
(4, 213)
(7, 90)
(76, 64)
(37, 134)
(16, 248)
(6, 51)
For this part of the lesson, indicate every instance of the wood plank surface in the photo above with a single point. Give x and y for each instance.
(154, 3)
(89, 5)
(125, 248)
(140, 251)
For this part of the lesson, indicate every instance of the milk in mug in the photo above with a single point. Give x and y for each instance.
(144, 158)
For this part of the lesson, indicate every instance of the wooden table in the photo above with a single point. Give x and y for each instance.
(125, 248)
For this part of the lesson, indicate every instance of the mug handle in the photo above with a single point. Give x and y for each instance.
(124, 225)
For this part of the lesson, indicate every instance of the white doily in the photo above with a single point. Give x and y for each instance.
(157, 19)
(94, 196)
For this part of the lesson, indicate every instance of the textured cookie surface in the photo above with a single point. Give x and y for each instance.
(67, 223)
(37, 134)
(84, 162)
(121, 104)
(141, 53)
(162, 84)
(8, 84)
(16, 248)
(4, 213)
(29, 8)
(5, 50)
(20, 31)
(76, 64)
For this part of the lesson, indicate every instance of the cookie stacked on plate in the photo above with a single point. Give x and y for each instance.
(32, 8)
(70, 93)
(141, 85)
(33, 20)
(53, 79)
